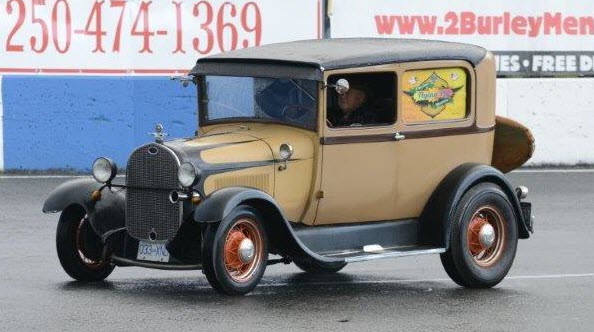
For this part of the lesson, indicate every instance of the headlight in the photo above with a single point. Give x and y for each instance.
(104, 170)
(187, 175)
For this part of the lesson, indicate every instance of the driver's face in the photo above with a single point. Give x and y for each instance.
(351, 100)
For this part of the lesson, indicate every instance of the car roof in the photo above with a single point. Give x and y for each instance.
(327, 54)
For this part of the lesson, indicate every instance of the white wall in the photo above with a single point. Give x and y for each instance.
(1, 129)
(560, 113)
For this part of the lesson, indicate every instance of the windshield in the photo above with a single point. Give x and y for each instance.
(282, 100)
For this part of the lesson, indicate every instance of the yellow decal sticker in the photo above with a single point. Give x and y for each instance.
(434, 94)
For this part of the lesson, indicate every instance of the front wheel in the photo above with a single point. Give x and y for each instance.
(235, 252)
(80, 250)
(483, 238)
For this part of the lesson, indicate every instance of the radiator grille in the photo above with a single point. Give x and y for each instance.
(152, 174)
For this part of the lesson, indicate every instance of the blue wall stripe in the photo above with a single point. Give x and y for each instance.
(65, 122)
(1, 129)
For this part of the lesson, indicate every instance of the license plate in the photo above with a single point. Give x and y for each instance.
(155, 252)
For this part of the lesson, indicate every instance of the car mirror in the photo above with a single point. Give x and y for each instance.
(184, 80)
(342, 86)
(285, 153)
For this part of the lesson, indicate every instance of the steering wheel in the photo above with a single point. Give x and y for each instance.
(295, 111)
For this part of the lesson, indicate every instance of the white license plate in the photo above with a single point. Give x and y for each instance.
(155, 252)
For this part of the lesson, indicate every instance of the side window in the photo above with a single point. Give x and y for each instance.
(370, 101)
(434, 95)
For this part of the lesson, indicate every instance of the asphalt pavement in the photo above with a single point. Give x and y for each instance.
(549, 288)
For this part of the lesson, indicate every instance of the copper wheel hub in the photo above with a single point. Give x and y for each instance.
(486, 236)
(81, 249)
(243, 250)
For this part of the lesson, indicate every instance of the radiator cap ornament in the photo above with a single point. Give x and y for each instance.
(159, 134)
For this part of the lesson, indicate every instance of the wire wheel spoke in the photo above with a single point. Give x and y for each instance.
(239, 269)
(486, 219)
(81, 248)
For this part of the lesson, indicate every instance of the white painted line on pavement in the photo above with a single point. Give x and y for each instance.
(8, 176)
(1, 129)
(554, 276)
(554, 170)
(43, 176)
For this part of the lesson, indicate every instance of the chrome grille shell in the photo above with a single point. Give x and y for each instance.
(151, 174)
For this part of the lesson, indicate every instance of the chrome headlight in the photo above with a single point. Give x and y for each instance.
(188, 175)
(104, 170)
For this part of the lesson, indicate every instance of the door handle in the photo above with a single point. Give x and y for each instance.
(399, 137)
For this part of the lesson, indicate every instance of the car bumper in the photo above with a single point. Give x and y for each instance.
(527, 216)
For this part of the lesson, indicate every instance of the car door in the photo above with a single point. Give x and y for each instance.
(359, 169)
(437, 117)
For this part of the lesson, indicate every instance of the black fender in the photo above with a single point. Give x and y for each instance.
(438, 212)
(105, 215)
(281, 236)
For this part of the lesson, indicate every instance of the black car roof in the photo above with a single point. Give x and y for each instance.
(327, 54)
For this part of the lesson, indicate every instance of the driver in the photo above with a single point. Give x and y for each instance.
(353, 107)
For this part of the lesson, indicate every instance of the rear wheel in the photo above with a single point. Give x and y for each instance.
(483, 238)
(80, 250)
(314, 267)
(235, 252)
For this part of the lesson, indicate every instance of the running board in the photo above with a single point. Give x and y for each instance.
(360, 256)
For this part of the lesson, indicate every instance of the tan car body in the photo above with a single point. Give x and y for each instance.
(423, 177)
(336, 176)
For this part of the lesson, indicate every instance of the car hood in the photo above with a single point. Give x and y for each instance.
(225, 146)
(242, 149)
(222, 152)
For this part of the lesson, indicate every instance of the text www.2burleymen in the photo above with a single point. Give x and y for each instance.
(470, 23)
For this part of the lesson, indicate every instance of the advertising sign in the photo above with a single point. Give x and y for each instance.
(136, 37)
(434, 94)
(529, 38)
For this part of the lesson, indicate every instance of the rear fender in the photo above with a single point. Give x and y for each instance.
(436, 218)
(105, 215)
(282, 239)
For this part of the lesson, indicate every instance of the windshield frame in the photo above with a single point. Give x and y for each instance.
(203, 107)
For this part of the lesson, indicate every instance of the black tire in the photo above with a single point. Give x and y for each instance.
(225, 271)
(80, 250)
(315, 267)
(467, 261)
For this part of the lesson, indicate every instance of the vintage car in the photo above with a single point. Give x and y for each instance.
(321, 153)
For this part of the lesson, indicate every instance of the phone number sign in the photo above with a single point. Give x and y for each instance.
(159, 37)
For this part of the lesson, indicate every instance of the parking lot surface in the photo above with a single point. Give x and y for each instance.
(549, 288)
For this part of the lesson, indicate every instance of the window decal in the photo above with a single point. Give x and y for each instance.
(434, 94)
